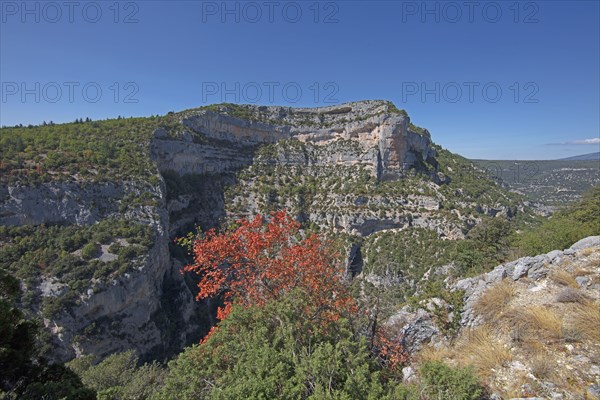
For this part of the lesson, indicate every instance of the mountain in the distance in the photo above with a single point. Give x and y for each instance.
(581, 157)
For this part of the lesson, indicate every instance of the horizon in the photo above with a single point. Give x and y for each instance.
(51, 122)
(516, 82)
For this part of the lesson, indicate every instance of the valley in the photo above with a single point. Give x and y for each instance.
(91, 213)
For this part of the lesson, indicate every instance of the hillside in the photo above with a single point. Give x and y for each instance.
(530, 327)
(546, 184)
(588, 156)
(88, 210)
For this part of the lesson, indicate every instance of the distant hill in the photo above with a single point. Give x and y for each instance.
(590, 156)
(550, 182)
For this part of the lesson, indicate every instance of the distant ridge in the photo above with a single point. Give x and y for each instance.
(589, 156)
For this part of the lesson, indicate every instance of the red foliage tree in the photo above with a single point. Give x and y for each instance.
(256, 262)
(261, 260)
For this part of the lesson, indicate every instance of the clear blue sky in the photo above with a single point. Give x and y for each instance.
(544, 56)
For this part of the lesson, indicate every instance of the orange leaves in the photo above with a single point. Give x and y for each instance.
(390, 350)
(264, 259)
(260, 260)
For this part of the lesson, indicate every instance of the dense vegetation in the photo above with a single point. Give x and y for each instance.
(550, 182)
(265, 352)
(96, 151)
(69, 256)
(564, 228)
(291, 326)
(119, 376)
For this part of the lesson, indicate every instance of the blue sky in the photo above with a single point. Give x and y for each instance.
(495, 80)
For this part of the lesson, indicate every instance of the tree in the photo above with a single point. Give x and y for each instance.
(259, 261)
(255, 262)
(118, 376)
(17, 334)
(265, 352)
(23, 374)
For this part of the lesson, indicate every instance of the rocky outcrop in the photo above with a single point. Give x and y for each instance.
(186, 157)
(62, 203)
(531, 268)
(414, 328)
(417, 327)
(375, 125)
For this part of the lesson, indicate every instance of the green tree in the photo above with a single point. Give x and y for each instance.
(564, 228)
(440, 381)
(23, 375)
(276, 352)
(17, 334)
(118, 377)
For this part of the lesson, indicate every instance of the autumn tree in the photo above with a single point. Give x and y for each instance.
(258, 260)
(261, 260)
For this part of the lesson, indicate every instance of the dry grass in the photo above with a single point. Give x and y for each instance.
(430, 353)
(571, 334)
(479, 347)
(563, 278)
(587, 252)
(545, 320)
(542, 367)
(581, 272)
(570, 295)
(586, 320)
(590, 263)
(493, 302)
(534, 323)
(514, 388)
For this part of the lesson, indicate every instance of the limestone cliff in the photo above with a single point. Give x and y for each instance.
(388, 146)
(357, 169)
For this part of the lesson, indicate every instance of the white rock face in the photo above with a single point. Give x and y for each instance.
(587, 242)
(60, 202)
(394, 147)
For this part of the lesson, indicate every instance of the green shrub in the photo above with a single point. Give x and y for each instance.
(564, 228)
(441, 381)
(115, 248)
(118, 376)
(102, 237)
(128, 252)
(266, 353)
(90, 250)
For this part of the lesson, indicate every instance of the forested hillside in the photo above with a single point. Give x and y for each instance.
(239, 251)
